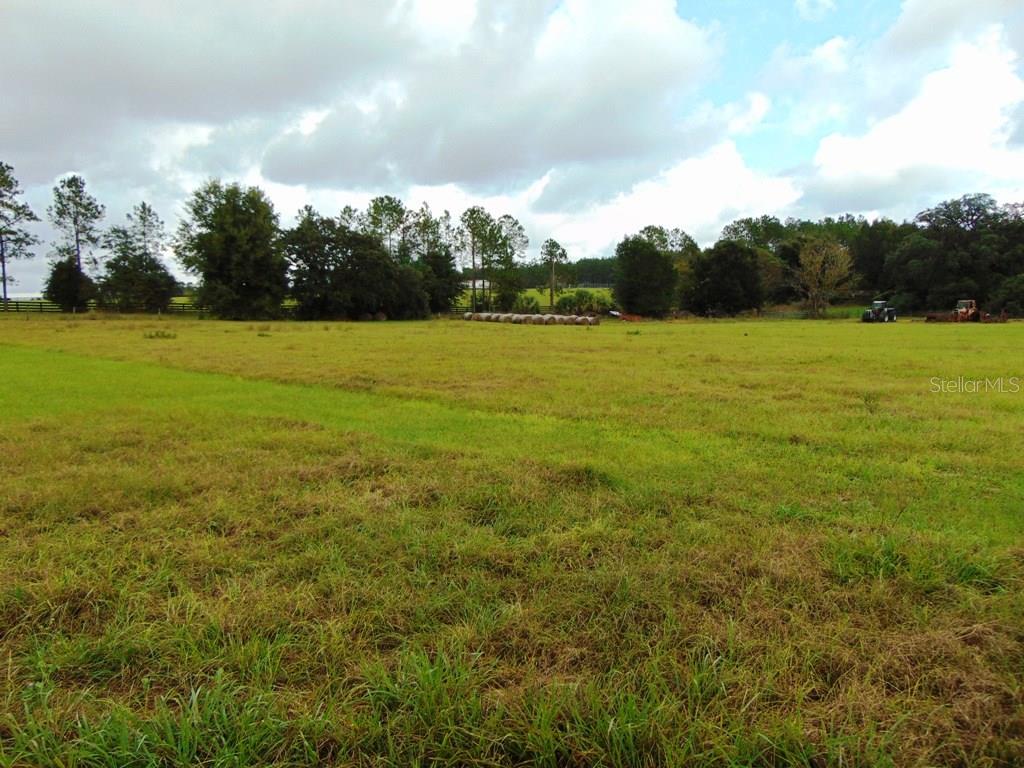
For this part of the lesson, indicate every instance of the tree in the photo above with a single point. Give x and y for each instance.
(825, 269)
(763, 232)
(478, 229)
(387, 218)
(229, 238)
(645, 278)
(955, 218)
(673, 241)
(869, 248)
(508, 245)
(678, 246)
(1009, 297)
(15, 240)
(67, 286)
(595, 271)
(76, 215)
(552, 254)
(726, 280)
(134, 276)
(315, 248)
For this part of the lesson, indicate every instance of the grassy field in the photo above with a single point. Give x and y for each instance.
(696, 543)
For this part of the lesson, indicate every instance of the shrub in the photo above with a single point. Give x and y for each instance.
(582, 302)
(526, 305)
(68, 287)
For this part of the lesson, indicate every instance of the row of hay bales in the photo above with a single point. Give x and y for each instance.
(502, 317)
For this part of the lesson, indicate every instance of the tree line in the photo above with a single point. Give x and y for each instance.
(394, 261)
(970, 247)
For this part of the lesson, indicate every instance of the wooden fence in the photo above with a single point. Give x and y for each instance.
(38, 305)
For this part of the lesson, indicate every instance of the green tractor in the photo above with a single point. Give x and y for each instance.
(879, 312)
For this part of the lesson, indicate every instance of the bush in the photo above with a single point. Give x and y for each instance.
(69, 288)
(582, 302)
(526, 305)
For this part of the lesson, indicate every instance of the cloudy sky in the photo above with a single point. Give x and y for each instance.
(587, 119)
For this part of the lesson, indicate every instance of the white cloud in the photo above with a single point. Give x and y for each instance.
(814, 10)
(699, 194)
(959, 120)
(956, 130)
(927, 23)
(756, 109)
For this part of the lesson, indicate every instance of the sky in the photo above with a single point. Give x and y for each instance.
(585, 119)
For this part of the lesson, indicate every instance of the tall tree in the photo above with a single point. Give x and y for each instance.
(825, 269)
(15, 240)
(645, 279)
(433, 238)
(478, 228)
(552, 254)
(509, 247)
(133, 275)
(229, 238)
(762, 232)
(76, 215)
(316, 249)
(387, 218)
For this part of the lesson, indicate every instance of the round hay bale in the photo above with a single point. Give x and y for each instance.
(548, 320)
(582, 321)
(595, 320)
(468, 316)
(506, 318)
(476, 317)
(538, 320)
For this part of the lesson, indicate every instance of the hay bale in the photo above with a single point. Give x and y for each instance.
(582, 320)
(468, 316)
(476, 317)
(506, 318)
(538, 319)
(595, 320)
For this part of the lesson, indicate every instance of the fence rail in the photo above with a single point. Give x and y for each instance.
(37, 305)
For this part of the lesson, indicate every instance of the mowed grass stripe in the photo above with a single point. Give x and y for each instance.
(748, 474)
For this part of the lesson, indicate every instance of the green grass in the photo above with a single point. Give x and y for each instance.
(694, 543)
